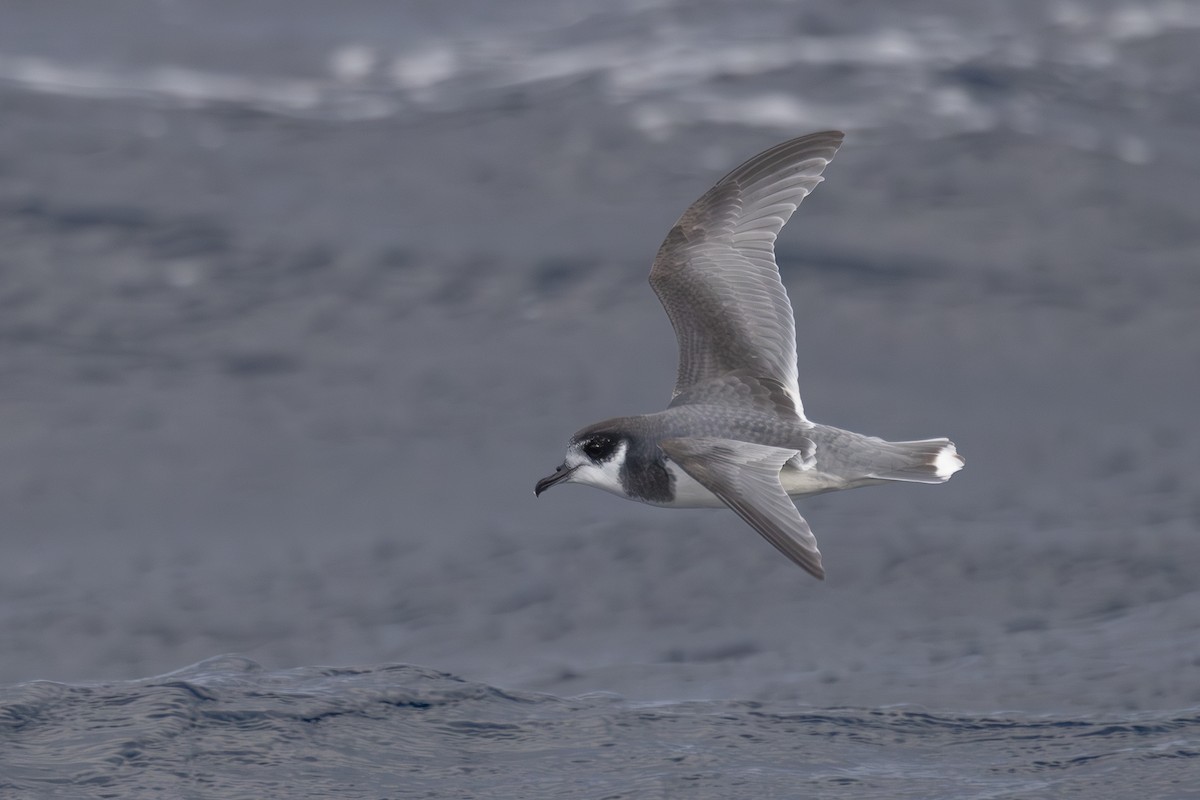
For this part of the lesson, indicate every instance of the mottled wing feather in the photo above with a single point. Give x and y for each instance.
(740, 388)
(715, 273)
(746, 478)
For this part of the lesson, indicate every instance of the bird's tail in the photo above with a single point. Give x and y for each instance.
(924, 461)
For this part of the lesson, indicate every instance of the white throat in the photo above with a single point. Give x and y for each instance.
(605, 475)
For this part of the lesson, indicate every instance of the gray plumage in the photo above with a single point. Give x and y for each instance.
(735, 433)
(715, 273)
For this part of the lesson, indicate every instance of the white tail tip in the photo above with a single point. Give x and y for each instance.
(947, 462)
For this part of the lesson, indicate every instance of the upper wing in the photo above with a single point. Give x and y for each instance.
(715, 273)
(746, 478)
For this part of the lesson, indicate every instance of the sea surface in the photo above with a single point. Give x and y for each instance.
(228, 728)
(298, 300)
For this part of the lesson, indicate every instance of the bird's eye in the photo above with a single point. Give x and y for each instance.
(599, 448)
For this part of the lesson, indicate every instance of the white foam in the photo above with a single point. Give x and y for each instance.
(1133, 149)
(189, 86)
(353, 62)
(1133, 22)
(660, 118)
(771, 110)
(667, 71)
(653, 120)
(672, 65)
(954, 103)
(423, 69)
(1070, 15)
(178, 82)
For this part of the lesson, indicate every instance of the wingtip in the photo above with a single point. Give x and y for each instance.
(811, 565)
(835, 137)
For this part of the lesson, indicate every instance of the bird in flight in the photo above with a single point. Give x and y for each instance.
(734, 434)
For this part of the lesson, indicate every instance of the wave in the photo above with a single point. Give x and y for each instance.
(226, 727)
(936, 74)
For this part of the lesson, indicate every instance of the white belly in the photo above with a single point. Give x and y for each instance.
(688, 491)
(797, 483)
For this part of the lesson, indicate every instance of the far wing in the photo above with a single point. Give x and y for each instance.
(715, 273)
(746, 478)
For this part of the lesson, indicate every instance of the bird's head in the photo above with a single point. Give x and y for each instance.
(595, 456)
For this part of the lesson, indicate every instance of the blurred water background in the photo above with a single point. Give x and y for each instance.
(298, 300)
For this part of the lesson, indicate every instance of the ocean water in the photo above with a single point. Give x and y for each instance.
(296, 304)
(228, 728)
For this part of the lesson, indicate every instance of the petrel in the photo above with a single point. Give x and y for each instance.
(735, 434)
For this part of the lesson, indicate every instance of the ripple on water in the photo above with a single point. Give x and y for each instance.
(226, 727)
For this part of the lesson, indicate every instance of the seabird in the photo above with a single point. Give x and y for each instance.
(735, 434)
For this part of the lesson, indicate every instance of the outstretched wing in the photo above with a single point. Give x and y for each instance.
(715, 273)
(746, 478)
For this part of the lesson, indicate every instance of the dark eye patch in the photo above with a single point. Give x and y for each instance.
(599, 448)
